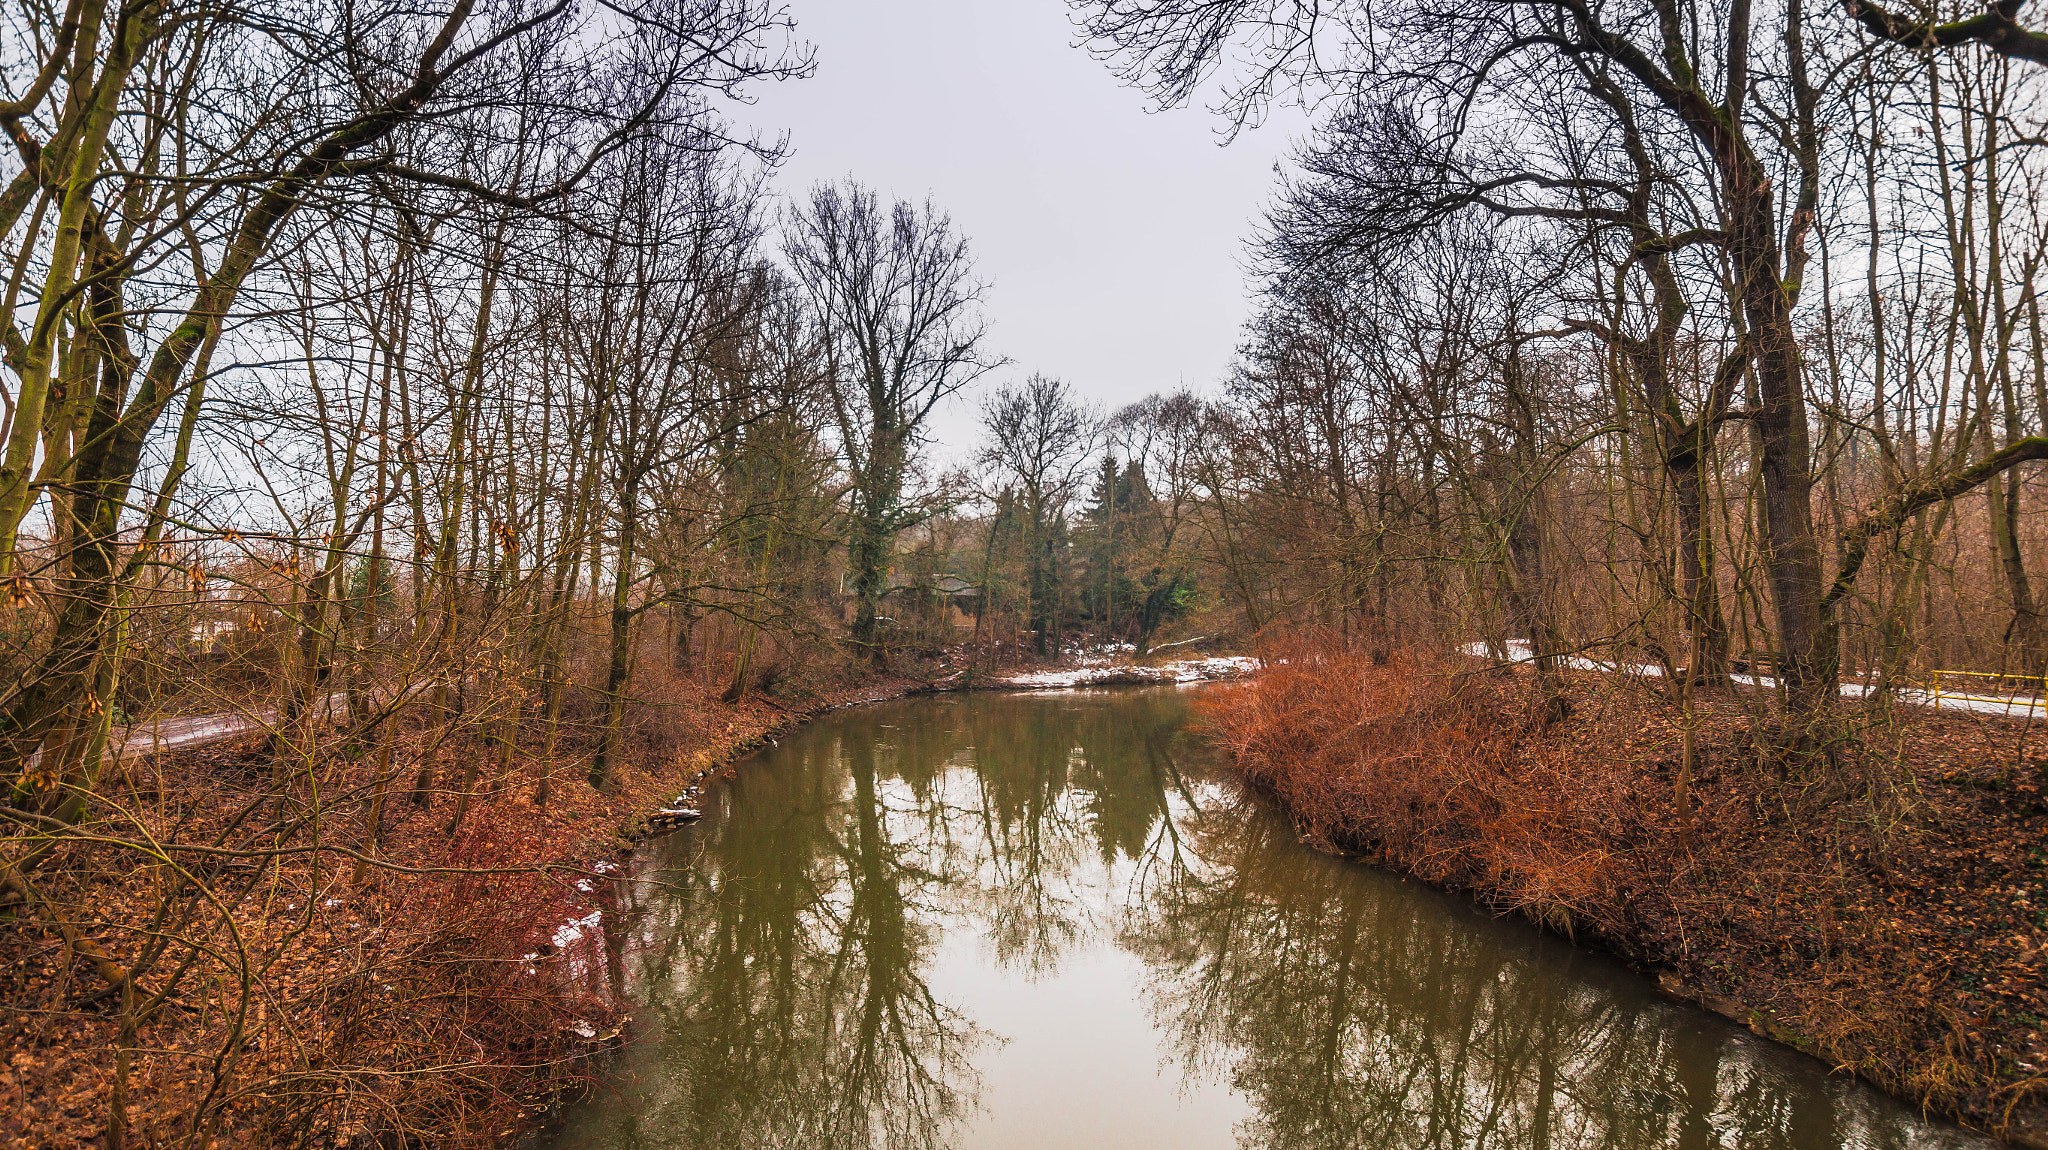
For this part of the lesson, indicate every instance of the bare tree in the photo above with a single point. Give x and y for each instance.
(137, 213)
(894, 289)
(1038, 437)
(1734, 120)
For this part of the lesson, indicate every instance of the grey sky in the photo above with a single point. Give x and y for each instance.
(1112, 236)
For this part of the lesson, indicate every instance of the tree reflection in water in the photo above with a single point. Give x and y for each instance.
(1357, 1010)
(785, 949)
(778, 955)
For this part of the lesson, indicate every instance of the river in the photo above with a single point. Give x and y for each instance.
(1051, 920)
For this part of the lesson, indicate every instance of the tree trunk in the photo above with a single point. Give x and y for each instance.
(619, 668)
(868, 554)
(1708, 665)
(2003, 494)
(1809, 662)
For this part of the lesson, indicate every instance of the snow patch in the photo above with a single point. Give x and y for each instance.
(572, 930)
(2011, 707)
(1179, 671)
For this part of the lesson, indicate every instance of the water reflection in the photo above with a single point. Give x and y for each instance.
(787, 949)
(780, 959)
(1357, 1010)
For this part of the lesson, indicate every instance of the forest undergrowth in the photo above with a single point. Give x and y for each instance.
(1887, 911)
(282, 995)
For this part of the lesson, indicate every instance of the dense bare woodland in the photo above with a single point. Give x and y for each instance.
(449, 391)
(1708, 335)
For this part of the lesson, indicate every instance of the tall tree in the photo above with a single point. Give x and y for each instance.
(895, 291)
(140, 209)
(1038, 437)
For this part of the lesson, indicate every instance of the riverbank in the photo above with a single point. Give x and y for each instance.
(1888, 915)
(310, 999)
(426, 992)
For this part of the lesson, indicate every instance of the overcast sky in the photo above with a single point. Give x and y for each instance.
(1112, 236)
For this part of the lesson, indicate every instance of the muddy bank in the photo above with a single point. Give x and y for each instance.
(1885, 915)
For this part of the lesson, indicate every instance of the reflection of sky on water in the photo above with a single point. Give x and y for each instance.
(1008, 921)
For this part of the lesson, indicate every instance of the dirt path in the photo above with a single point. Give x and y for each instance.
(185, 732)
(160, 735)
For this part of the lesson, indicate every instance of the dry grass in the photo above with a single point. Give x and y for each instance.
(1436, 773)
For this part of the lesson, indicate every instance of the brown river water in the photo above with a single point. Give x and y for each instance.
(1051, 920)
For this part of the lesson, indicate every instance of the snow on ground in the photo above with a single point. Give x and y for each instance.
(572, 930)
(2010, 707)
(1102, 671)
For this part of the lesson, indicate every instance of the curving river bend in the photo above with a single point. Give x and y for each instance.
(1050, 920)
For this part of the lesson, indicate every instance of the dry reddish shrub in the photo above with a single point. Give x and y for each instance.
(404, 1011)
(1891, 944)
(476, 1011)
(1434, 772)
